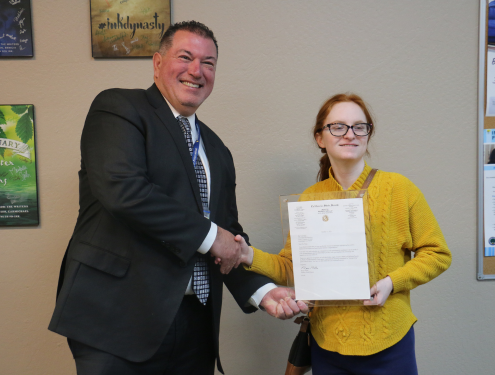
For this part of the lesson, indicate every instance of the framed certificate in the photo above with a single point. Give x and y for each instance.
(327, 237)
(18, 177)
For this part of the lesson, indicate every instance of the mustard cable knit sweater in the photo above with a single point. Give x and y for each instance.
(401, 222)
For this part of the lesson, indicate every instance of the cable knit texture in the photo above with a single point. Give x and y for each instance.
(401, 222)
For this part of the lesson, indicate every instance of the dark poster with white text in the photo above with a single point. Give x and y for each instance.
(16, 31)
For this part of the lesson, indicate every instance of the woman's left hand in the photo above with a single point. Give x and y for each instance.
(380, 292)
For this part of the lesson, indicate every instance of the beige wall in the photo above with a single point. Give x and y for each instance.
(415, 62)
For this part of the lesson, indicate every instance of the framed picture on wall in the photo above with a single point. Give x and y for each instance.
(128, 28)
(18, 175)
(16, 31)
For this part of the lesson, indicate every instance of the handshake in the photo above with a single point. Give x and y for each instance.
(229, 252)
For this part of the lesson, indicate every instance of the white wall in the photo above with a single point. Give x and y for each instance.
(415, 62)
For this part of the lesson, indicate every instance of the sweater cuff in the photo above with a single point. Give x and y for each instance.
(259, 259)
(398, 281)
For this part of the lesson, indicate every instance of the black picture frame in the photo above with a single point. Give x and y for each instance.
(19, 202)
(16, 28)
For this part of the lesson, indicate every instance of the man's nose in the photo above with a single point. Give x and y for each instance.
(194, 68)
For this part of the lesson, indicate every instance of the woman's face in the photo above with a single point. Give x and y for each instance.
(348, 147)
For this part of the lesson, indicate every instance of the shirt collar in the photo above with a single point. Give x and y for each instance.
(191, 119)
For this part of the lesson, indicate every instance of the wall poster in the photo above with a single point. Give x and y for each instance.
(486, 142)
(128, 28)
(18, 183)
(16, 31)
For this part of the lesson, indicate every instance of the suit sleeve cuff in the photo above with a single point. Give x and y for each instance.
(256, 298)
(208, 241)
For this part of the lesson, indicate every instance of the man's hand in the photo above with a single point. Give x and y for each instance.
(380, 292)
(226, 251)
(280, 303)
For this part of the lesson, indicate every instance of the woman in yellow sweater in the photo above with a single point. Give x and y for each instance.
(378, 337)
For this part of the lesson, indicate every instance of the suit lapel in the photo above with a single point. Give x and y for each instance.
(214, 164)
(166, 116)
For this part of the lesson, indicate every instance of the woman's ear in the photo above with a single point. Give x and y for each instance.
(319, 140)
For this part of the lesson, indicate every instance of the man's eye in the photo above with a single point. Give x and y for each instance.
(184, 57)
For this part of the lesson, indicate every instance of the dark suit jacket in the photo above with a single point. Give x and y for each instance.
(139, 227)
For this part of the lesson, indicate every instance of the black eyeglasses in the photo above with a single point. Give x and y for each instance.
(339, 130)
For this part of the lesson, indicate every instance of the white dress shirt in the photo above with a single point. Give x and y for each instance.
(256, 298)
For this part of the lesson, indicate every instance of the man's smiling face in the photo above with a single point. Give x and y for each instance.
(186, 73)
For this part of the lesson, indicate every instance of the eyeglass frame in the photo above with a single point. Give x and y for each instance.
(327, 126)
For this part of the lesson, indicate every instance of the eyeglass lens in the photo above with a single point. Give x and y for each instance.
(342, 129)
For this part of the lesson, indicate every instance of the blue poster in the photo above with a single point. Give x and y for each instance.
(16, 32)
(489, 136)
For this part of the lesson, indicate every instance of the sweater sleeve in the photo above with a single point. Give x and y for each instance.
(432, 255)
(277, 267)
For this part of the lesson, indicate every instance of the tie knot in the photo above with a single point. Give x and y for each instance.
(185, 123)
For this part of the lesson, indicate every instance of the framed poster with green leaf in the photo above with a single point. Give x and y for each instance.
(18, 177)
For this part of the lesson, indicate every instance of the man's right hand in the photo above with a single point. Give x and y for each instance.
(280, 303)
(227, 250)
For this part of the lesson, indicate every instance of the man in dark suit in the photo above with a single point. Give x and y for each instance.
(140, 290)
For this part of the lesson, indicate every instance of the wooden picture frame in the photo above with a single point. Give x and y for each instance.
(128, 28)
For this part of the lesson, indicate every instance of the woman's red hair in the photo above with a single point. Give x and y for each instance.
(321, 117)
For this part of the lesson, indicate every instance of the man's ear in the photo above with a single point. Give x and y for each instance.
(157, 63)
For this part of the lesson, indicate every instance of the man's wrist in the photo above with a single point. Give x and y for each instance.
(256, 298)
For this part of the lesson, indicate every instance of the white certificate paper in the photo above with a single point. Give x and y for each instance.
(329, 249)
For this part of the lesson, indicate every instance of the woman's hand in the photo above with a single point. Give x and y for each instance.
(246, 252)
(380, 292)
